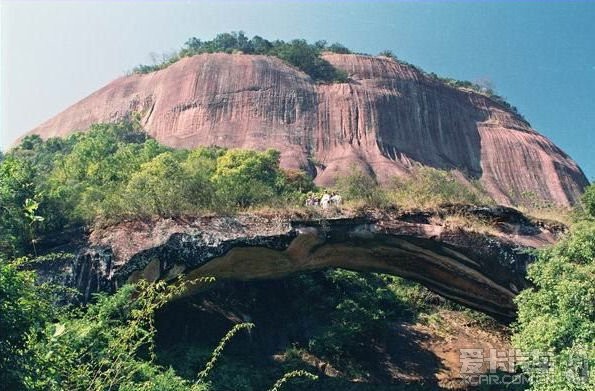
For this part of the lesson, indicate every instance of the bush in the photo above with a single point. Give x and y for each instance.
(481, 89)
(429, 187)
(359, 186)
(107, 345)
(426, 188)
(359, 307)
(389, 54)
(85, 177)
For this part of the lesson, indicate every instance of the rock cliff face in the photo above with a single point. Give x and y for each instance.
(385, 120)
(479, 270)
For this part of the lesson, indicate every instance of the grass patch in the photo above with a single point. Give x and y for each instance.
(426, 188)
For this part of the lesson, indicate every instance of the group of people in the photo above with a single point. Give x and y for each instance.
(325, 201)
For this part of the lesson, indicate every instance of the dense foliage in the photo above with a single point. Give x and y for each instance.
(557, 317)
(298, 52)
(114, 171)
(24, 310)
(109, 345)
(588, 201)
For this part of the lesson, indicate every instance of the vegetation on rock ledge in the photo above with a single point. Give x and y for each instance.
(115, 172)
(304, 56)
(298, 52)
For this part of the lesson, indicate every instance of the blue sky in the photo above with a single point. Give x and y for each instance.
(539, 55)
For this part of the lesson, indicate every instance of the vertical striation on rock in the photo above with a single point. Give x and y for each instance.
(388, 118)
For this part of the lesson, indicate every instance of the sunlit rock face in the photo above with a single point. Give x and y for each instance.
(386, 119)
(482, 270)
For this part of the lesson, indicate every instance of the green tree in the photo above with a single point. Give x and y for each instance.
(588, 200)
(298, 53)
(17, 184)
(110, 345)
(158, 188)
(31, 142)
(85, 181)
(359, 307)
(25, 307)
(199, 167)
(107, 346)
(245, 177)
(307, 58)
(296, 182)
(24, 175)
(30, 211)
(260, 45)
(338, 48)
(557, 316)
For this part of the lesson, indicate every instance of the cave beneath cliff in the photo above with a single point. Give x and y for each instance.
(356, 330)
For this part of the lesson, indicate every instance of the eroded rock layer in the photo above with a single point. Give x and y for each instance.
(482, 270)
(387, 118)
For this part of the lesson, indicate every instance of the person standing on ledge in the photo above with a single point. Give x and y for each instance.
(325, 200)
(336, 199)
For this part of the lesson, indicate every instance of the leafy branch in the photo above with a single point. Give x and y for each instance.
(290, 375)
(30, 209)
(202, 375)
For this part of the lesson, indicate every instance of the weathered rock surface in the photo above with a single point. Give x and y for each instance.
(386, 119)
(478, 269)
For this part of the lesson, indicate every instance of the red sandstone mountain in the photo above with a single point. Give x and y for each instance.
(388, 118)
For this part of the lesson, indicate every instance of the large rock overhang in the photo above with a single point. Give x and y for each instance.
(480, 268)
